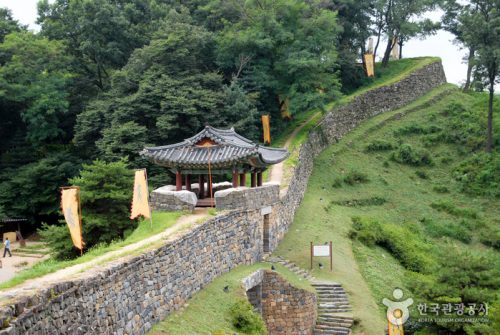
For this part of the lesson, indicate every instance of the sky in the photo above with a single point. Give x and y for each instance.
(440, 44)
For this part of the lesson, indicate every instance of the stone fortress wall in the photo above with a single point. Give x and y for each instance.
(127, 297)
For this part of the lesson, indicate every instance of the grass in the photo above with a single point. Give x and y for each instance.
(371, 273)
(208, 310)
(161, 221)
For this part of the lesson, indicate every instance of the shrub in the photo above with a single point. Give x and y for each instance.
(458, 231)
(337, 183)
(440, 189)
(480, 174)
(355, 177)
(421, 174)
(417, 129)
(491, 237)
(406, 154)
(373, 201)
(245, 319)
(106, 193)
(380, 145)
(403, 243)
(448, 207)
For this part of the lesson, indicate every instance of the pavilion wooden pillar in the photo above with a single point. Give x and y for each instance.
(178, 181)
(259, 178)
(188, 182)
(235, 179)
(243, 179)
(210, 187)
(253, 179)
(201, 182)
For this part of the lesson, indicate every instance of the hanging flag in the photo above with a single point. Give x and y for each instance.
(370, 64)
(267, 129)
(140, 200)
(70, 205)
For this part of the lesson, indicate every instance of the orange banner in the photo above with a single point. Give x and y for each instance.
(370, 64)
(267, 129)
(140, 200)
(70, 205)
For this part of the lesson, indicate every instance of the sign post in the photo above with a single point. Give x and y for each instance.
(325, 250)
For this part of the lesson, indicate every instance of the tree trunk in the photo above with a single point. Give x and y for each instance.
(400, 49)
(470, 65)
(489, 140)
(387, 52)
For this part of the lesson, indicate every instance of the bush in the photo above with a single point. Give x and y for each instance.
(403, 243)
(373, 201)
(417, 129)
(106, 193)
(458, 231)
(440, 189)
(421, 174)
(406, 154)
(380, 145)
(448, 207)
(245, 319)
(480, 174)
(355, 177)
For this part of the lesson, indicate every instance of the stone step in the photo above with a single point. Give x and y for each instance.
(334, 310)
(326, 331)
(333, 298)
(336, 317)
(334, 324)
(331, 327)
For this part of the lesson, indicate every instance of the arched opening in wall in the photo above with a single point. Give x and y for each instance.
(265, 235)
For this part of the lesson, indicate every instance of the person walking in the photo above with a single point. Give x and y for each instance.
(7, 248)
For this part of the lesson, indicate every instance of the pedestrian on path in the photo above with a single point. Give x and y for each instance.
(7, 248)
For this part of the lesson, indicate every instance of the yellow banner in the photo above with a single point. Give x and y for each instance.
(140, 201)
(267, 129)
(70, 205)
(396, 329)
(370, 64)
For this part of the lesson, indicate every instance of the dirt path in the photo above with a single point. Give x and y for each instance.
(198, 215)
(11, 265)
(276, 173)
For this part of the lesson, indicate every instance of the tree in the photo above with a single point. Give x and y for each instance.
(400, 21)
(291, 48)
(170, 87)
(99, 34)
(481, 29)
(106, 193)
(8, 24)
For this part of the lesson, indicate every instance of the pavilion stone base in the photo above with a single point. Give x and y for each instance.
(247, 198)
(163, 199)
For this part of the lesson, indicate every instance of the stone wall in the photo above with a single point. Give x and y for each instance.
(249, 198)
(163, 200)
(284, 308)
(129, 296)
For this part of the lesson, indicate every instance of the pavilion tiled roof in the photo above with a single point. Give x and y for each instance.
(229, 149)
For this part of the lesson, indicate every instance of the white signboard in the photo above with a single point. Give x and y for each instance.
(321, 250)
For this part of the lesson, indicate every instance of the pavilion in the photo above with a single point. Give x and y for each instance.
(215, 152)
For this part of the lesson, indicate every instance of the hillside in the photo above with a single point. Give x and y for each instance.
(409, 200)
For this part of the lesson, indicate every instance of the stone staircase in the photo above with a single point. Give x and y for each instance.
(334, 311)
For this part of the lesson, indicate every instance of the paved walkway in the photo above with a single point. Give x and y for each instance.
(170, 233)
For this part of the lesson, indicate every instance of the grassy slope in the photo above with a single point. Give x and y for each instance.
(408, 197)
(161, 221)
(208, 310)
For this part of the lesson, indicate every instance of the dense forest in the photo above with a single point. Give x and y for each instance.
(104, 78)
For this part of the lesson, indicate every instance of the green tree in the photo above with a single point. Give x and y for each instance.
(170, 87)
(100, 34)
(106, 194)
(8, 24)
(481, 28)
(285, 50)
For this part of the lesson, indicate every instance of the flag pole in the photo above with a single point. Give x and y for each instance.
(147, 194)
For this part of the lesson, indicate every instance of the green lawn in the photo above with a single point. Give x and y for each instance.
(208, 310)
(161, 221)
(423, 199)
